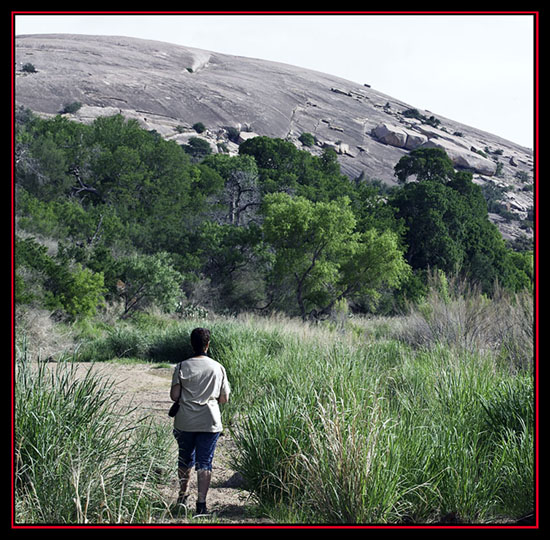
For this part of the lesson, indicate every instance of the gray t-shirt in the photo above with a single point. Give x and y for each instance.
(202, 382)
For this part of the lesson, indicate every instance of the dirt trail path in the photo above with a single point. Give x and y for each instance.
(146, 387)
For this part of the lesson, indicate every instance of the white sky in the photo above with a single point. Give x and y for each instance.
(474, 69)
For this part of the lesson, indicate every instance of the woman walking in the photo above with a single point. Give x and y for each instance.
(199, 385)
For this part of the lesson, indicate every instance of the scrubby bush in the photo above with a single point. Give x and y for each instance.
(81, 293)
(414, 113)
(456, 314)
(197, 148)
(233, 134)
(307, 139)
(28, 68)
(71, 108)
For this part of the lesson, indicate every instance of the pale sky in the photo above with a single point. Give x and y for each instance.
(475, 69)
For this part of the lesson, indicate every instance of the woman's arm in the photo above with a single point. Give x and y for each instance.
(175, 392)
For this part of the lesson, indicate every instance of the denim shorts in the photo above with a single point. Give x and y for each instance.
(196, 448)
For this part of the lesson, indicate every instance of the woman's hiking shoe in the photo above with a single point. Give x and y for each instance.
(201, 509)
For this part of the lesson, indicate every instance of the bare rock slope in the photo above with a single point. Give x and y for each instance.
(169, 88)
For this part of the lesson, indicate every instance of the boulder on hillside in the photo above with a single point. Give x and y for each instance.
(399, 136)
(246, 135)
(414, 139)
(390, 134)
(436, 133)
(463, 158)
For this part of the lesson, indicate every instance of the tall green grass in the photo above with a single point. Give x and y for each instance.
(79, 456)
(341, 430)
(386, 434)
(337, 423)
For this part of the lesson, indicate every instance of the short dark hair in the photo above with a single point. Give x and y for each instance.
(200, 338)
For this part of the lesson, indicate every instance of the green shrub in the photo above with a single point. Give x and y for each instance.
(82, 293)
(28, 68)
(127, 342)
(197, 148)
(307, 139)
(233, 134)
(71, 108)
(415, 113)
(171, 346)
(522, 176)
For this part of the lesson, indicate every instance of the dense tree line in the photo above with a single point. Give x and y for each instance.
(135, 218)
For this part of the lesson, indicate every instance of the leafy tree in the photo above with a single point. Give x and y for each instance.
(447, 223)
(425, 164)
(375, 262)
(197, 148)
(42, 167)
(33, 266)
(320, 257)
(77, 291)
(272, 154)
(282, 167)
(433, 215)
(520, 270)
(233, 258)
(241, 196)
(147, 280)
(371, 209)
(109, 182)
(158, 193)
(114, 131)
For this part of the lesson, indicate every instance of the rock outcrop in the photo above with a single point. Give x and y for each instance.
(169, 88)
(399, 136)
(462, 158)
(411, 139)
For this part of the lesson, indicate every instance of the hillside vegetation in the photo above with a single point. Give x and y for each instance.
(379, 342)
(109, 212)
